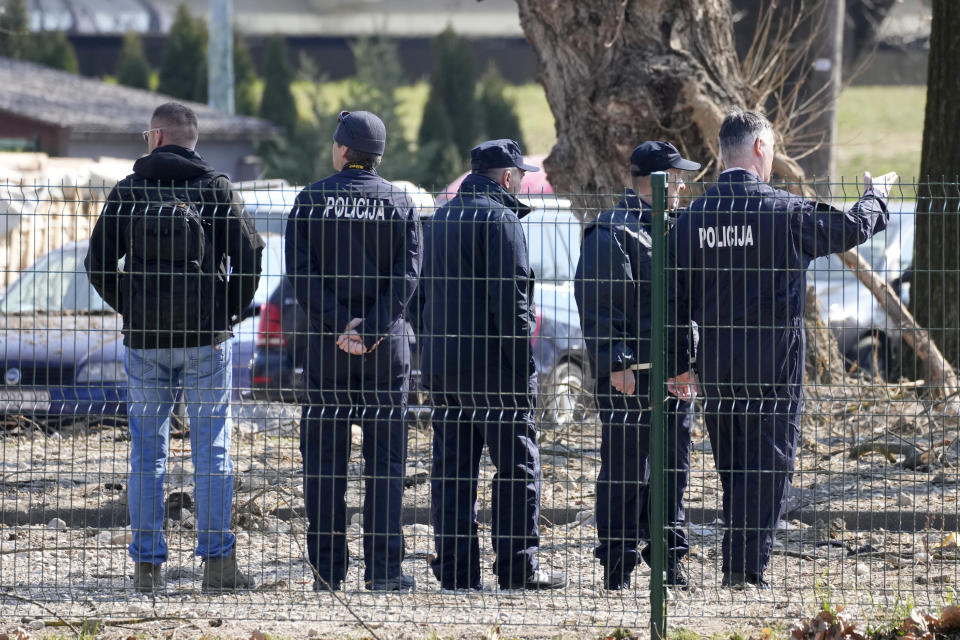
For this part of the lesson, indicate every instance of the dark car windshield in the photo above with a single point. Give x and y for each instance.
(55, 283)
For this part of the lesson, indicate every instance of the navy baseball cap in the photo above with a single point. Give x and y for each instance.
(497, 154)
(658, 156)
(361, 130)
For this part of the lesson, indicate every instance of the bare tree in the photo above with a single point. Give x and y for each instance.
(936, 294)
(619, 71)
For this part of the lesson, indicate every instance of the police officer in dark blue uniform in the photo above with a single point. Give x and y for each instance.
(740, 257)
(612, 289)
(353, 249)
(478, 320)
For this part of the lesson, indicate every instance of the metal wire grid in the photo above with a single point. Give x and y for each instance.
(867, 533)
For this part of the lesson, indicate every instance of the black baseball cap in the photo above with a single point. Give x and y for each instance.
(361, 130)
(497, 154)
(658, 156)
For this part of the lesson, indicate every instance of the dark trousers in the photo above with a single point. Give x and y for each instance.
(623, 482)
(378, 403)
(753, 432)
(462, 423)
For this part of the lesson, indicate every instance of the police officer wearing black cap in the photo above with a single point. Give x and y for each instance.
(740, 258)
(353, 249)
(612, 290)
(478, 320)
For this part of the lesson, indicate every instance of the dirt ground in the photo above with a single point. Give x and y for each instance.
(75, 571)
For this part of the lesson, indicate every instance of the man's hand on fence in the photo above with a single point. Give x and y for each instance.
(624, 381)
(684, 386)
(350, 341)
(881, 184)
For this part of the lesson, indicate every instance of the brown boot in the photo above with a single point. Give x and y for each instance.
(222, 574)
(147, 577)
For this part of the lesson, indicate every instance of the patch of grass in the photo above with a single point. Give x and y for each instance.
(880, 129)
(683, 634)
(536, 119)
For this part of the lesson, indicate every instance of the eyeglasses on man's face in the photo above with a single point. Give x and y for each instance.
(146, 134)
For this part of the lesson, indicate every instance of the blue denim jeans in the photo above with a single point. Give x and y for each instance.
(154, 378)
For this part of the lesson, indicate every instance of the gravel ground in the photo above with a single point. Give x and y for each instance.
(51, 568)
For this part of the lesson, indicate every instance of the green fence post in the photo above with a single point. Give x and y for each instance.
(658, 387)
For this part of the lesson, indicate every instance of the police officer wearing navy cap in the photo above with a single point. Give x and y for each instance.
(612, 289)
(740, 258)
(478, 320)
(353, 250)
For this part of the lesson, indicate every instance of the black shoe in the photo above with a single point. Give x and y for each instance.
(538, 581)
(323, 585)
(676, 576)
(615, 578)
(477, 588)
(223, 574)
(147, 577)
(741, 580)
(401, 582)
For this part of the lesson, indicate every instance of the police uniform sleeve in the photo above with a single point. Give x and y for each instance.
(508, 280)
(309, 285)
(605, 293)
(408, 259)
(822, 229)
(107, 246)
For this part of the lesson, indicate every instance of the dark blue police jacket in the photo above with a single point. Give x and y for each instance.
(478, 314)
(613, 289)
(739, 261)
(353, 250)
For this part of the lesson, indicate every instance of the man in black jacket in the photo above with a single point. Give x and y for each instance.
(613, 288)
(353, 256)
(478, 320)
(192, 264)
(739, 261)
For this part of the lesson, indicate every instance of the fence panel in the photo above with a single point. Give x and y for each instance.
(831, 469)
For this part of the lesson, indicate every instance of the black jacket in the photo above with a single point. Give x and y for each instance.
(613, 291)
(739, 261)
(172, 172)
(478, 315)
(353, 250)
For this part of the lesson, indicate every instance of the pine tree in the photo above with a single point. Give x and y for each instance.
(183, 72)
(132, 68)
(277, 104)
(53, 50)
(244, 78)
(453, 86)
(499, 114)
(379, 75)
(439, 158)
(14, 29)
(302, 155)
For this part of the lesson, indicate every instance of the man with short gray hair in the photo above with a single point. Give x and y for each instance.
(192, 264)
(739, 258)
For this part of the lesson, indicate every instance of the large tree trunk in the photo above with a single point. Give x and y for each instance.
(618, 73)
(936, 292)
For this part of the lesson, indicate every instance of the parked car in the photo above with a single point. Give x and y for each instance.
(61, 350)
(868, 338)
(566, 382)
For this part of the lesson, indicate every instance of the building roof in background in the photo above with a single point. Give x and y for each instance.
(496, 18)
(92, 107)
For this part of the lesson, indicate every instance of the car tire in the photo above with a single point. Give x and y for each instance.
(565, 397)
